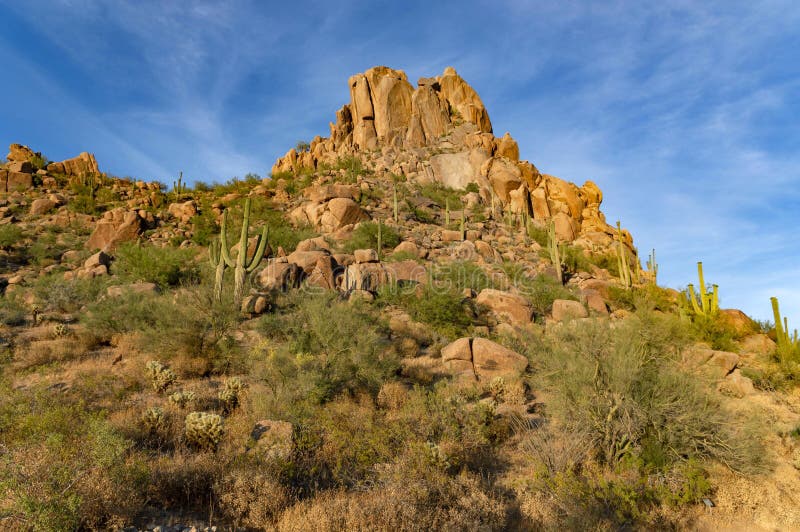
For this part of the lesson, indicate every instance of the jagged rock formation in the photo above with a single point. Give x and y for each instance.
(440, 131)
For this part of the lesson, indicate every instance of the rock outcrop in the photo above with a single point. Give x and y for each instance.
(440, 131)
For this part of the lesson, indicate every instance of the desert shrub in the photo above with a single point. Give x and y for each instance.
(623, 384)
(204, 228)
(716, 331)
(12, 312)
(574, 260)
(447, 311)
(163, 266)
(608, 261)
(54, 293)
(459, 275)
(10, 235)
(328, 346)
(190, 325)
(365, 236)
(251, 499)
(538, 234)
(353, 167)
(345, 443)
(410, 495)
(442, 196)
(646, 297)
(65, 467)
(541, 291)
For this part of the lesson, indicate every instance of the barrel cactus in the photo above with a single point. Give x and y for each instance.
(204, 430)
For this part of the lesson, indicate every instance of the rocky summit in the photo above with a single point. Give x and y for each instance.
(440, 132)
(403, 327)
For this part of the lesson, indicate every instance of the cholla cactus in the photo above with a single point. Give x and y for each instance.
(436, 456)
(181, 399)
(153, 420)
(231, 393)
(497, 387)
(204, 430)
(160, 376)
(60, 330)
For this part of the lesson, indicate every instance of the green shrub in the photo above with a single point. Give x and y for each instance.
(447, 311)
(459, 275)
(573, 258)
(12, 312)
(541, 291)
(365, 236)
(623, 385)
(54, 293)
(10, 235)
(329, 347)
(163, 266)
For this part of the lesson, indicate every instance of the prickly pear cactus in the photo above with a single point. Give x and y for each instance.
(204, 430)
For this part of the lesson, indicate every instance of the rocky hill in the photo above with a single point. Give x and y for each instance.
(404, 327)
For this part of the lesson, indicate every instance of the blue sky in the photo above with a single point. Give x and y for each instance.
(685, 113)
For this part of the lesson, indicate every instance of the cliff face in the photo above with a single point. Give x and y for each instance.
(440, 131)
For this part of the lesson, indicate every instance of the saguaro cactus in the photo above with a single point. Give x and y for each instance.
(178, 187)
(394, 201)
(219, 264)
(552, 246)
(786, 343)
(622, 260)
(652, 267)
(709, 301)
(242, 266)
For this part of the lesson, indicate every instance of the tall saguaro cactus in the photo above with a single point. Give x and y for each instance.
(622, 260)
(218, 262)
(242, 265)
(709, 301)
(652, 267)
(552, 246)
(786, 343)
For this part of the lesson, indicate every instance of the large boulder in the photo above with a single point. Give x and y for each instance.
(341, 212)
(280, 274)
(507, 307)
(20, 153)
(42, 206)
(492, 360)
(564, 309)
(17, 182)
(83, 164)
(184, 211)
(482, 359)
(430, 118)
(115, 227)
(463, 99)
